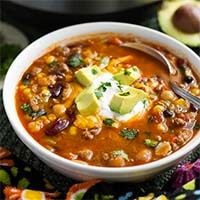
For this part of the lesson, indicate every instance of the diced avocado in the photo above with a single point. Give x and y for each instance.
(127, 76)
(123, 102)
(86, 75)
(87, 102)
(180, 19)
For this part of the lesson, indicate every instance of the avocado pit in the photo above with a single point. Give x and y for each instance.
(187, 18)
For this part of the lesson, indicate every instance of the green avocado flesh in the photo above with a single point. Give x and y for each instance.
(123, 102)
(165, 16)
(87, 102)
(86, 75)
(127, 76)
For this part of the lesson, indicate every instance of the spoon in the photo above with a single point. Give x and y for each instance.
(151, 51)
(186, 95)
(159, 56)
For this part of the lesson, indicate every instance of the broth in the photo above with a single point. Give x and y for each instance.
(50, 106)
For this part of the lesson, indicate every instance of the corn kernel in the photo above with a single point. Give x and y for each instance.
(158, 109)
(73, 130)
(182, 103)
(195, 91)
(51, 117)
(27, 91)
(162, 127)
(50, 59)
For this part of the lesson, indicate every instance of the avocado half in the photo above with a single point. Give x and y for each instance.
(165, 19)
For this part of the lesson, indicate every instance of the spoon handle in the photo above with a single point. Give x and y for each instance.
(186, 95)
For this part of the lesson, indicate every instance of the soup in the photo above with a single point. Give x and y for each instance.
(98, 103)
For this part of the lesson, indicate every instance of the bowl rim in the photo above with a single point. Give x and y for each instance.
(34, 146)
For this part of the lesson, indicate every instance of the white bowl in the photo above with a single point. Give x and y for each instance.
(70, 168)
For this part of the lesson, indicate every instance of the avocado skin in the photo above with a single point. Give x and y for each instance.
(165, 19)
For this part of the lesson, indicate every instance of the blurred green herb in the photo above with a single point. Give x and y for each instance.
(8, 52)
(129, 133)
(75, 60)
(108, 122)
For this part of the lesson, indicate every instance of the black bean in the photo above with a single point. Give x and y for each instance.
(188, 79)
(193, 108)
(57, 127)
(26, 78)
(168, 113)
(56, 90)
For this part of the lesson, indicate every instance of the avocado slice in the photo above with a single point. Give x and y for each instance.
(87, 102)
(170, 11)
(123, 102)
(127, 76)
(86, 75)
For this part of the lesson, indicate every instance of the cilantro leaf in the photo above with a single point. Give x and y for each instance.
(120, 153)
(150, 143)
(108, 122)
(129, 133)
(75, 60)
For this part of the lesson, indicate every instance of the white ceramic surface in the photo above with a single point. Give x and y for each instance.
(69, 168)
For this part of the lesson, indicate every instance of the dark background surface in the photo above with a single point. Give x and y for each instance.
(35, 23)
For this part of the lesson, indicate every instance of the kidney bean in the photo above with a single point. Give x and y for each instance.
(57, 127)
(58, 73)
(56, 90)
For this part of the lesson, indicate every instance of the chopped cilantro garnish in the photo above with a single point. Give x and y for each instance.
(197, 126)
(94, 71)
(135, 69)
(150, 119)
(125, 94)
(108, 122)
(38, 113)
(120, 153)
(75, 60)
(98, 94)
(144, 103)
(129, 133)
(53, 64)
(119, 86)
(102, 88)
(126, 72)
(28, 110)
(150, 143)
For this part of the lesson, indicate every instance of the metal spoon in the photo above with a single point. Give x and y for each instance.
(186, 95)
(151, 51)
(158, 55)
